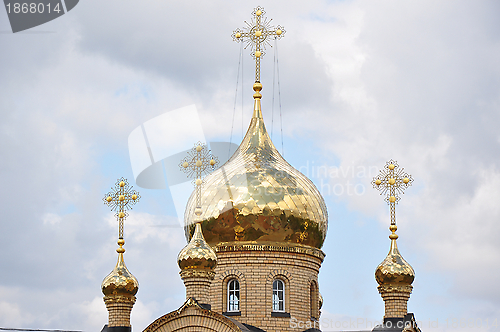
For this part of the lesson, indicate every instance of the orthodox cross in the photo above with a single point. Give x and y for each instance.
(120, 199)
(392, 182)
(197, 163)
(257, 34)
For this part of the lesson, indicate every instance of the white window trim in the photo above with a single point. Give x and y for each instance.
(229, 295)
(284, 296)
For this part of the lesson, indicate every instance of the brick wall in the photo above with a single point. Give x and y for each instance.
(119, 308)
(256, 268)
(198, 288)
(395, 299)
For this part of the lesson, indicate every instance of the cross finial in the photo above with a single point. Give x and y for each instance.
(392, 182)
(257, 34)
(120, 199)
(197, 163)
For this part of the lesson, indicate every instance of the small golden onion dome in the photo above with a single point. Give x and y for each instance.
(120, 281)
(394, 270)
(197, 254)
(258, 196)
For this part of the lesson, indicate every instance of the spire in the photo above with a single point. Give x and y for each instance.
(120, 286)
(197, 259)
(394, 275)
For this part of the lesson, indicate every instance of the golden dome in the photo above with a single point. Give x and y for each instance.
(197, 254)
(394, 270)
(258, 196)
(120, 281)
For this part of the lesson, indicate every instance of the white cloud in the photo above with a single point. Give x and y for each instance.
(51, 219)
(11, 315)
(95, 313)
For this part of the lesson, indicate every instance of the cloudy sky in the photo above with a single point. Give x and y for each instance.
(361, 82)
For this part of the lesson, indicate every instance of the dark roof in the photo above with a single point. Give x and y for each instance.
(253, 328)
(106, 328)
(397, 324)
(245, 327)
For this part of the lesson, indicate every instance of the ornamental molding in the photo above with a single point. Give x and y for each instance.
(194, 273)
(233, 273)
(119, 299)
(280, 274)
(395, 289)
(179, 313)
(270, 247)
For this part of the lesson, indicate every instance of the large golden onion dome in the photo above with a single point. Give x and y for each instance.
(394, 270)
(120, 281)
(197, 254)
(258, 196)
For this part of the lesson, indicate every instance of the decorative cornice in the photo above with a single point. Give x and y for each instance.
(395, 289)
(270, 246)
(191, 302)
(232, 274)
(196, 273)
(278, 272)
(119, 299)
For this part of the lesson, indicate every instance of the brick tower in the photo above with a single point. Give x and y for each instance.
(265, 220)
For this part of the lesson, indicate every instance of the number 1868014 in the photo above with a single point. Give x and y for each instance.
(31, 8)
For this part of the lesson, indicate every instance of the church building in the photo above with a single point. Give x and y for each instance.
(255, 227)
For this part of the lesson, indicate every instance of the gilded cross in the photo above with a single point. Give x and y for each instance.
(120, 199)
(257, 34)
(392, 181)
(197, 163)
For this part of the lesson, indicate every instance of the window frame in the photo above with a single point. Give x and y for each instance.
(276, 291)
(236, 292)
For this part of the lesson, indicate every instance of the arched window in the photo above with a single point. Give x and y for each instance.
(314, 300)
(278, 295)
(233, 295)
